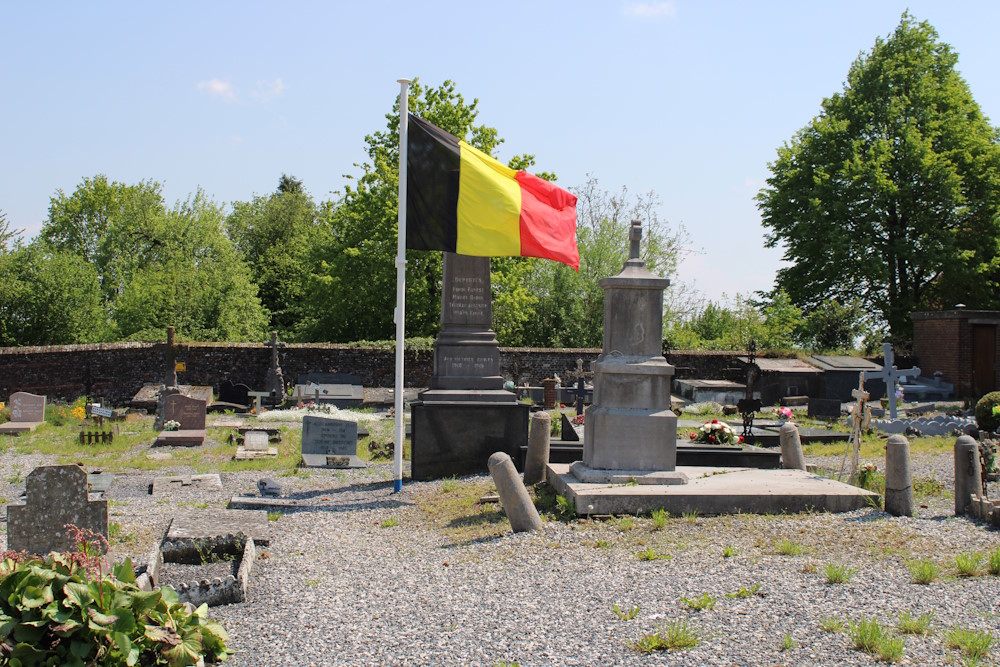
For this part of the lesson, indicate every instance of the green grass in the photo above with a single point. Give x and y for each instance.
(677, 635)
(974, 644)
(838, 574)
(691, 516)
(449, 485)
(705, 601)
(993, 562)
(787, 643)
(831, 624)
(873, 638)
(660, 517)
(745, 592)
(729, 551)
(923, 572)
(786, 547)
(908, 624)
(968, 563)
(624, 615)
(390, 522)
(273, 516)
(651, 554)
(625, 523)
(602, 544)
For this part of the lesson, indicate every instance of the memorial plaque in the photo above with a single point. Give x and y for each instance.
(330, 443)
(25, 407)
(189, 412)
(255, 441)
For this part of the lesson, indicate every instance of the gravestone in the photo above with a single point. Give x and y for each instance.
(234, 394)
(824, 408)
(566, 431)
(190, 413)
(57, 495)
(27, 412)
(255, 446)
(465, 415)
(330, 443)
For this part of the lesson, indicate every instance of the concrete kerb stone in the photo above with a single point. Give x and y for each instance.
(898, 477)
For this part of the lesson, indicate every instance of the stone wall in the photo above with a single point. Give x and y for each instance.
(116, 371)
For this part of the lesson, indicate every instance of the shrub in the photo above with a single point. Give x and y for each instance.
(985, 419)
(58, 610)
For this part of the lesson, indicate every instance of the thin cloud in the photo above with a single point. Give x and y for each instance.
(218, 88)
(651, 10)
(268, 90)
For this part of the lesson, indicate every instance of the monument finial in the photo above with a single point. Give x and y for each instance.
(634, 237)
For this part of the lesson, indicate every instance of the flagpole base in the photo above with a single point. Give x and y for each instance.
(397, 486)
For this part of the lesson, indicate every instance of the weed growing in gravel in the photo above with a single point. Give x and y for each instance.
(729, 551)
(705, 601)
(115, 535)
(786, 547)
(669, 636)
(831, 624)
(625, 523)
(273, 516)
(787, 643)
(909, 624)
(624, 615)
(691, 516)
(650, 554)
(565, 508)
(975, 644)
(809, 567)
(923, 571)
(993, 562)
(967, 564)
(745, 592)
(507, 664)
(390, 522)
(660, 517)
(449, 484)
(874, 639)
(928, 487)
(602, 544)
(838, 574)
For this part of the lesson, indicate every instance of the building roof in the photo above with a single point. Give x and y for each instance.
(829, 362)
(793, 365)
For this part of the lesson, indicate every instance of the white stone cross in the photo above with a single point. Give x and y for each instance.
(891, 375)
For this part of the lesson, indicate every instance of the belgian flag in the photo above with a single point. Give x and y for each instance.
(459, 199)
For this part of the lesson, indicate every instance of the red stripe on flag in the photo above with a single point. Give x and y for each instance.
(548, 221)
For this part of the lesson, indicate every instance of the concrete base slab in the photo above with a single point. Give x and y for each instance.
(588, 475)
(332, 461)
(714, 491)
(182, 438)
(266, 503)
(172, 484)
(15, 428)
(244, 454)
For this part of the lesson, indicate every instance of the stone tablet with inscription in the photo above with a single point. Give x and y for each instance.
(190, 413)
(57, 495)
(330, 443)
(27, 411)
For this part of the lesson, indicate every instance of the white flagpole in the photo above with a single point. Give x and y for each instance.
(399, 316)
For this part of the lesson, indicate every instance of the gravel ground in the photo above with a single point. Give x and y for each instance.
(336, 587)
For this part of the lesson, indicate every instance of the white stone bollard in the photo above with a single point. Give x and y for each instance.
(898, 477)
(968, 473)
(791, 447)
(513, 496)
(539, 437)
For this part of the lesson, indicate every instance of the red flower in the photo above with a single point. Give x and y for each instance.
(741, 439)
(715, 421)
(711, 438)
(694, 435)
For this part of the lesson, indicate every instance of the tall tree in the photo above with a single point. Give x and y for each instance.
(891, 196)
(10, 238)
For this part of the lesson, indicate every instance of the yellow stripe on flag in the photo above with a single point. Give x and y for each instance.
(489, 206)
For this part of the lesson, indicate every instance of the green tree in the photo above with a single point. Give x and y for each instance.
(832, 326)
(351, 294)
(10, 238)
(49, 297)
(891, 195)
(280, 236)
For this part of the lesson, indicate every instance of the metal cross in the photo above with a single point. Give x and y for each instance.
(748, 406)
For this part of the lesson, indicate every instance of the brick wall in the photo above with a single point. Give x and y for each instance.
(942, 341)
(116, 371)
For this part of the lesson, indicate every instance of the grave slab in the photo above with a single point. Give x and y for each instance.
(198, 532)
(171, 484)
(56, 496)
(715, 491)
(330, 443)
(27, 412)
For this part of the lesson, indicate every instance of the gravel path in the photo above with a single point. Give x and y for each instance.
(338, 585)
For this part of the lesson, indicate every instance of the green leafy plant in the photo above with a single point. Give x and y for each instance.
(729, 551)
(705, 601)
(873, 638)
(993, 562)
(975, 644)
(786, 547)
(967, 564)
(745, 592)
(838, 574)
(923, 571)
(273, 516)
(787, 643)
(390, 522)
(831, 624)
(625, 523)
(624, 615)
(660, 517)
(691, 516)
(986, 419)
(909, 624)
(602, 544)
(63, 610)
(651, 554)
(871, 478)
(668, 636)
(449, 484)
(565, 508)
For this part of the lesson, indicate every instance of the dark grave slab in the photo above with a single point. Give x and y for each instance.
(330, 443)
(174, 484)
(148, 395)
(56, 496)
(458, 439)
(824, 408)
(566, 431)
(236, 394)
(27, 412)
(197, 532)
(190, 413)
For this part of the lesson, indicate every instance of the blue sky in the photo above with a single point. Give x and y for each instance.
(687, 99)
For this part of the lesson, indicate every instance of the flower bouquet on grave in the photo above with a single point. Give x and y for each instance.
(171, 425)
(783, 413)
(716, 433)
(577, 420)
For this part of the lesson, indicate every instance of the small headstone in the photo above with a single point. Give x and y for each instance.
(824, 408)
(190, 414)
(330, 443)
(269, 488)
(255, 441)
(567, 431)
(57, 495)
(27, 411)
(513, 496)
(968, 473)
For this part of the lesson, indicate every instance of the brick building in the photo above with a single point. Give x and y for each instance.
(961, 345)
